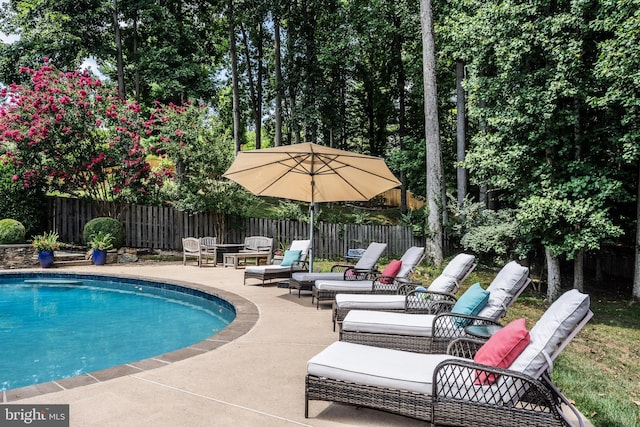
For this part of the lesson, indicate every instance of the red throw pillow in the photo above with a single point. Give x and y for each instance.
(502, 349)
(390, 271)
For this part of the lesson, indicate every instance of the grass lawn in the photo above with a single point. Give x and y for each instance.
(600, 369)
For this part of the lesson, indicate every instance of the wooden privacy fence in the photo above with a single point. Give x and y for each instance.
(158, 227)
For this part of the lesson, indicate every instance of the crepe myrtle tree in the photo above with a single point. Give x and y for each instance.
(69, 132)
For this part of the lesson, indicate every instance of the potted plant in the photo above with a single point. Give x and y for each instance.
(46, 244)
(100, 243)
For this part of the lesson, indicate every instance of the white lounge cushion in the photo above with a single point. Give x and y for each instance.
(388, 322)
(262, 269)
(555, 325)
(444, 284)
(497, 304)
(370, 301)
(344, 285)
(369, 258)
(380, 367)
(511, 276)
(410, 259)
(507, 283)
(459, 266)
(312, 277)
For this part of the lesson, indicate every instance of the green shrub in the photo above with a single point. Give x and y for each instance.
(104, 225)
(26, 203)
(11, 232)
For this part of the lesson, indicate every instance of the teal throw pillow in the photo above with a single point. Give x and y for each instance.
(290, 258)
(471, 302)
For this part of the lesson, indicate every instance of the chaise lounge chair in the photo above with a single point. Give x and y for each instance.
(453, 389)
(429, 333)
(408, 299)
(303, 281)
(294, 260)
(387, 282)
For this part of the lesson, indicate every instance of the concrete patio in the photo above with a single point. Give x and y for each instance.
(255, 380)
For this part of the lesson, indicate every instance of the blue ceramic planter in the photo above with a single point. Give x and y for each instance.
(99, 256)
(45, 258)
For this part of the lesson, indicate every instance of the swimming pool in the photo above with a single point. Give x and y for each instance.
(55, 326)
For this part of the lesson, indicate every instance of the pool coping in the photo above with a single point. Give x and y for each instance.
(247, 315)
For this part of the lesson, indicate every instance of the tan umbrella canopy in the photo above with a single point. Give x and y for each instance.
(311, 173)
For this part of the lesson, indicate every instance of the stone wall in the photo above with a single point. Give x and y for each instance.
(17, 256)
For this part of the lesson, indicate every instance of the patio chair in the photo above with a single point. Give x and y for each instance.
(431, 333)
(281, 269)
(208, 249)
(257, 244)
(387, 282)
(456, 388)
(407, 298)
(303, 281)
(191, 248)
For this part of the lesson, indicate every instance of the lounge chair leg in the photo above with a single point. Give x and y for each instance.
(306, 407)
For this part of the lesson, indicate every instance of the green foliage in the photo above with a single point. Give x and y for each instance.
(493, 235)
(28, 205)
(103, 226)
(289, 210)
(46, 242)
(11, 232)
(101, 241)
(417, 220)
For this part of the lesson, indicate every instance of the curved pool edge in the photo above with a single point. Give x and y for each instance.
(246, 317)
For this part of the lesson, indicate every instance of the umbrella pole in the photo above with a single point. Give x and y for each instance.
(311, 238)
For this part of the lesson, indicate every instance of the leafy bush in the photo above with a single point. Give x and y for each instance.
(106, 226)
(492, 235)
(11, 232)
(26, 204)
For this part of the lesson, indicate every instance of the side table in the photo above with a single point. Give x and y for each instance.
(482, 331)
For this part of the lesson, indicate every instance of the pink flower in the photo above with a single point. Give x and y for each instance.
(14, 178)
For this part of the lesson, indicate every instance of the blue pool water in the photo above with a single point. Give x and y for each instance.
(54, 327)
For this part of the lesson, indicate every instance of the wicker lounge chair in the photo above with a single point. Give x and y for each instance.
(407, 299)
(383, 283)
(448, 389)
(429, 333)
(268, 273)
(303, 281)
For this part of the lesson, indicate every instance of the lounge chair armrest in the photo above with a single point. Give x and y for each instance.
(512, 393)
(385, 284)
(338, 268)
(451, 325)
(465, 347)
(407, 287)
(429, 302)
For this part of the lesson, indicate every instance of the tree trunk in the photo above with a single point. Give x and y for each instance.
(400, 85)
(636, 274)
(461, 173)
(578, 271)
(432, 135)
(119, 62)
(136, 80)
(234, 79)
(553, 276)
(277, 140)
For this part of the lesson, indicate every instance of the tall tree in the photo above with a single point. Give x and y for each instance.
(432, 135)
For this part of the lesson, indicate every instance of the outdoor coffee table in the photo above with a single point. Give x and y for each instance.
(234, 259)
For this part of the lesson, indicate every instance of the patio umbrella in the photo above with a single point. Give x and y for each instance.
(311, 173)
